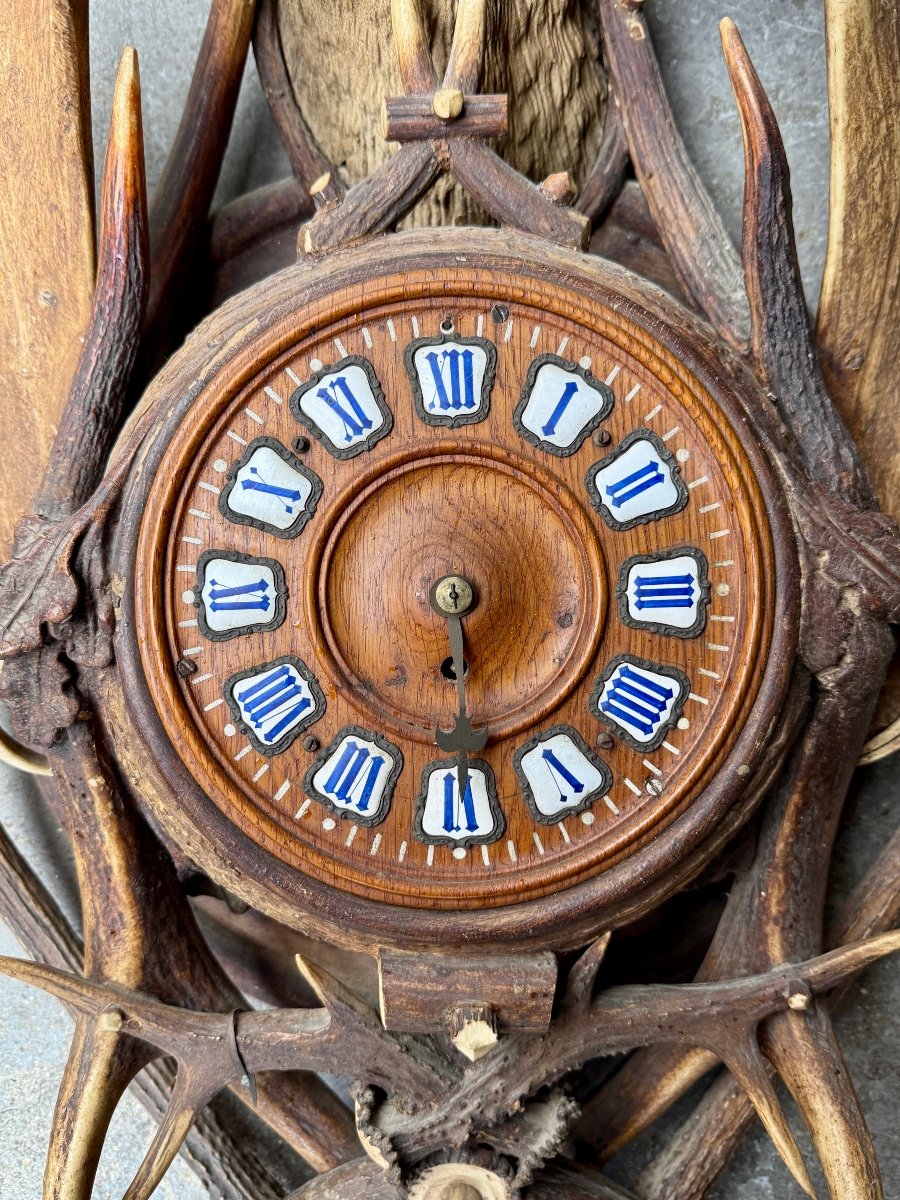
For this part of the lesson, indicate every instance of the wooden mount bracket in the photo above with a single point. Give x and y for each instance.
(446, 114)
(427, 993)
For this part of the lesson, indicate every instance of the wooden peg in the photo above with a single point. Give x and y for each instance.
(559, 188)
(327, 191)
(474, 1030)
(447, 103)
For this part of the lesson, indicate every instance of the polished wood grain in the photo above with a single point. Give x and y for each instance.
(46, 234)
(358, 579)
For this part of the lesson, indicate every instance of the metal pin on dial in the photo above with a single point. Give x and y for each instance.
(452, 596)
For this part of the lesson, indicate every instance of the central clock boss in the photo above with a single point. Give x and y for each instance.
(495, 448)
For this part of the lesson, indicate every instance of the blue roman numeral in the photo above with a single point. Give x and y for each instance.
(558, 768)
(222, 599)
(632, 485)
(268, 703)
(462, 378)
(452, 805)
(347, 776)
(634, 699)
(259, 485)
(664, 591)
(568, 394)
(355, 420)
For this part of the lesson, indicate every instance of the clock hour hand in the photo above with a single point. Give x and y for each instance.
(452, 597)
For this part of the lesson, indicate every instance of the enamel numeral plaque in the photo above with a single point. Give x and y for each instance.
(638, 482)
(344, 407)
(270, 488)
(451, 378)
(273, 704)
(667, 593)
(452, 594)
(238, 594)
(561, 404)
(559, 774)
(355, 776)
(458, 816)
(639, 700)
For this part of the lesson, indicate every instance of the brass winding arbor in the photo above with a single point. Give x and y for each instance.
(762, 998)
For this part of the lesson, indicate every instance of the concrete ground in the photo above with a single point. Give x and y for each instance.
(785, 39)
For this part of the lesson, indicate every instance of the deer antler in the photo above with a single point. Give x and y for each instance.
(429, 1105)
(845, 649)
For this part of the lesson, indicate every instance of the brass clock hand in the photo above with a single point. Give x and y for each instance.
(452, 597)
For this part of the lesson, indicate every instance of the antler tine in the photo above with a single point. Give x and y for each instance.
(83, 995)
(652, 1080)
(416, 67)
(99, 1068)
(805, 1052)
(467, 51)
(90, 419)
(781, 342)
(193, 1090)
(185, 190)
(746, 1063)
(583, 975)
(685, 216)
(859, 304)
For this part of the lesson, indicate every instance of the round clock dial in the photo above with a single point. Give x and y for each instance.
(524, 432)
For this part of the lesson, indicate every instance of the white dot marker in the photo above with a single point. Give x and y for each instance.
(188, 596)
(683, 723)
(723, 589)
(682, 455)
(229, 730)
(585, 362)
(328, 823)
(459, 852)
(315, 364)
(587, 818)
(220, 465)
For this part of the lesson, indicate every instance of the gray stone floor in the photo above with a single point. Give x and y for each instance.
(785, 38)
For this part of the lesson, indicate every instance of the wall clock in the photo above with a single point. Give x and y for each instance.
(348, 441)
(443, 600)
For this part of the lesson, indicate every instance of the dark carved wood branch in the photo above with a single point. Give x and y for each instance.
(512, 199)
(701, 252)
(307, 161)
(606, 176)
(413, 119)
(388, 194)
(376, 204)
(781, 342)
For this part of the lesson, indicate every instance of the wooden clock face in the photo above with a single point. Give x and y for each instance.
(528, 437)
